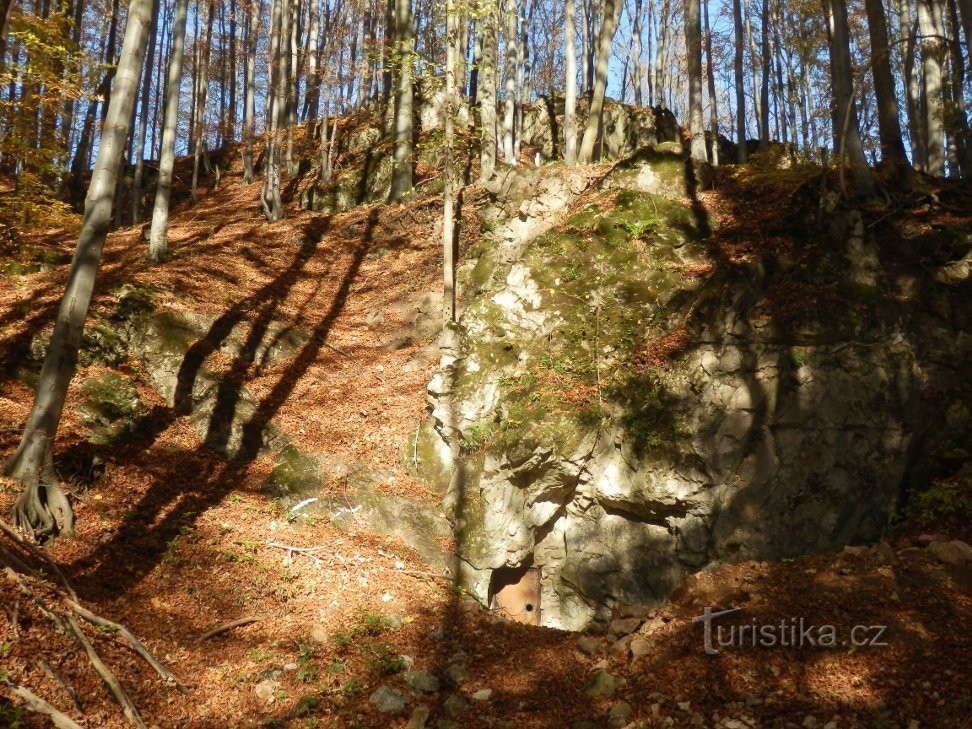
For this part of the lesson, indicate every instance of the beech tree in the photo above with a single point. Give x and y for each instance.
(159, 235)
(593, 127)
(42, 506)
(402, 171)
(570, 100)
(693, 45)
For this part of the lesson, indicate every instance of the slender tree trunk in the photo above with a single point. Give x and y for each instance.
(159, 235)
(143, 120)
(593, 127)
(757, 83)
(713, 105)
(957, 125)
(637, 79)
(404, 49)
(280, 62)
(764, 58)
(487, 89)
(233, 73)
(693, 45)
(932, 61)
(448, 226)
(312, 100)
(249, 101)
(737, 22)
(661, 71)
(906, 37)
(570, 103)
(42, 507)
(202, 96)
(523, 73)
(509, 107)
(889, 126)
(845, 109)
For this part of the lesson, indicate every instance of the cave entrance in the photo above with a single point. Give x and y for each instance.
(515, 592)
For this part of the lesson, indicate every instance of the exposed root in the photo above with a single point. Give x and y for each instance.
(44, 511)
(226, 627)
(35, 703)
(111, 681)
(19, 568)
(134, 642)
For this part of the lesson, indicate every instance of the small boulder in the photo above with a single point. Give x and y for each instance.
(604, 684)
(588, 645)
(955, 552)
(620, 715)
(623, 626)
(422, 682)
(388, 700)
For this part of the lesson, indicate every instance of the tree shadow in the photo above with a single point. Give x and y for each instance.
(190, 482)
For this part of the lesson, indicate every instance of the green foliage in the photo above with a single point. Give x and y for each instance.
(384, 660)
(47, 72)
(640, 229)
(477, 435)
(352, 687)
(944, 501)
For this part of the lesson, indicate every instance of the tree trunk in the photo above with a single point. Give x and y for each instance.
(448, 226)
(143, 120)
(932, 61)
(159, 235)
(487, 89)
(889, 127)
(202, 95)
(845, 109)
(402, 171)
(509, 107)
(42, 507)
(249, 101)
(713, 106)
(737, 65)
(764, 57)
(636, 74)
(661, 72)
(693, 45)
(956, 123)
(570, 103)
(280, 62)
(906, 37)
(593, 127)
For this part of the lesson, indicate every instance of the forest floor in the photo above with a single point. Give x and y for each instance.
(173, 540)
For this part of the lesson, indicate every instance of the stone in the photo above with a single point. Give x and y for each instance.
(604, 684)
(588, 645)
(620, 715)
(388, 700)
(423, 682)
(482, 695)
(639, 647)
(954, 552)
(455, 705)
(457, 673)
(319, 634)
(420, 715)
(623, 626)
(266, 690)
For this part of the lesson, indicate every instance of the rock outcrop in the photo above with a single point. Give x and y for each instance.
(619, 408)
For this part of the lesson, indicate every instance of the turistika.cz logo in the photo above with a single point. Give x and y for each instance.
(787, 633)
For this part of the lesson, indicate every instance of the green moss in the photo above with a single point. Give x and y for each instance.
(295, 475)
(110, 407)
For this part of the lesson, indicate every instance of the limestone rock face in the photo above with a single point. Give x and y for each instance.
(625, 128)
(618, 409)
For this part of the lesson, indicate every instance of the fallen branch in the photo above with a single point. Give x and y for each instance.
(114, 685)
(39, 554)
(35, 703)
(134, 642)
(226, 627)
(420, 573)
(62, 684)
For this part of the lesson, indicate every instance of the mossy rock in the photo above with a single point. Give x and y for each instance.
(295, 476)
(111, 407)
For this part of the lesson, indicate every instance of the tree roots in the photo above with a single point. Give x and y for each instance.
(26, 567)
(44, 511)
